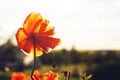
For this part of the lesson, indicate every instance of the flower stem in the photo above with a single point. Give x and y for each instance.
(68, 75)
(34, 42)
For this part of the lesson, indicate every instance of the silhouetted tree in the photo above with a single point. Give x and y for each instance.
(8, 54)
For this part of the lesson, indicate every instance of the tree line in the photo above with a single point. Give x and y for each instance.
(11, 55)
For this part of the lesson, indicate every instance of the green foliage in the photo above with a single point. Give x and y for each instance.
(8, 55)
(7, 52)
(11, 55)
(4, 75)
(84, 76)
(98, 58)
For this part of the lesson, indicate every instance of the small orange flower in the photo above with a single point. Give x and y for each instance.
(36, 75)
(18, 76)
(50, 76)
(36, 30)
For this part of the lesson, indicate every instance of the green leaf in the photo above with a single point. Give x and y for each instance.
(89, 76)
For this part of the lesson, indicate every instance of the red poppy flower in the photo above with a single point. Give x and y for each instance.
(36, 30)
(18, 76)
(50, 76)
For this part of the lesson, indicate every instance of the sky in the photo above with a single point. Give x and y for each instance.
(84, 24)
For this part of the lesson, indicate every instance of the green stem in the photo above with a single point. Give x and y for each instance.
(68, 75)
(66, 78)
(34, 58)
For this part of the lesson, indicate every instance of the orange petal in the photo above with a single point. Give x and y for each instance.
(22, 40)
(21, 37)
(50, 76)
(18, 76)
(27, 46)
(28, 78)
(49, 33)
(43, 25)
(36, 75)
(30, 50)
(47, 42)
(38, 51)
(32, 22)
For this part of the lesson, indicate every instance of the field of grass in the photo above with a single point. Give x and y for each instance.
(75, 70)
(59, 69)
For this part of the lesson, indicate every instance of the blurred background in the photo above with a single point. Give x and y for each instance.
(89, 30)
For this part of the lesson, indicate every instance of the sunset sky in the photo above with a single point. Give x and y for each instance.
(85, 24)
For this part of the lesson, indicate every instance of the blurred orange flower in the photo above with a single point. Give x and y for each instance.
(18, 76)
(28, 78)
(36, 75)
(36, 30)
(50, 76)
